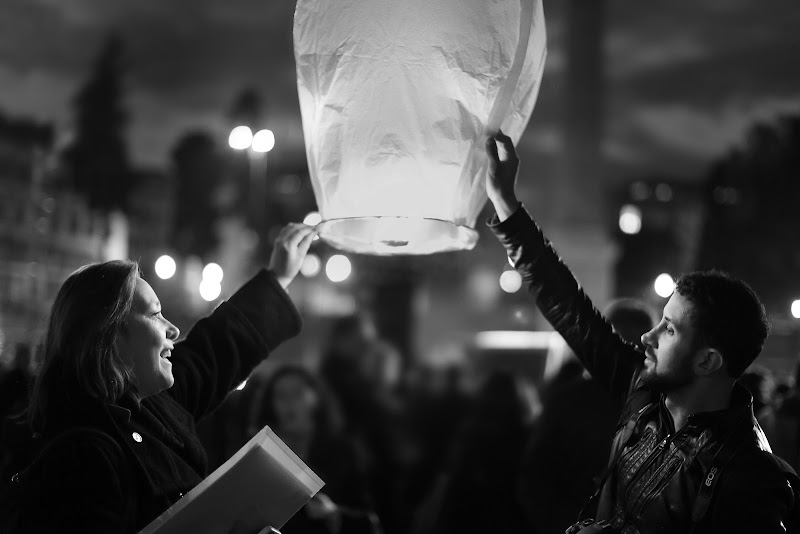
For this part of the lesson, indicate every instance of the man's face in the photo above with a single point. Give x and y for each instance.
(670, 348)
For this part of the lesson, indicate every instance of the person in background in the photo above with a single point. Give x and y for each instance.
(760, 382)
(298, 408)
(118, 396)
(361, 370)
(436, 406)
(690, 455)
(782, 421)
(476, 489)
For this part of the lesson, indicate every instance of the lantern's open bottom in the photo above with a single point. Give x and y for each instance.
(396, 236)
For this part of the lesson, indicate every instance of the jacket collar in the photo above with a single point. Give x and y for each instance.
(740, 409)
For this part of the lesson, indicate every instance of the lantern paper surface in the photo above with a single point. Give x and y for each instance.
(397, 99)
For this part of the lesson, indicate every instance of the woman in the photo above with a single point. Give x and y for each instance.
(297, 407)
(121, 396)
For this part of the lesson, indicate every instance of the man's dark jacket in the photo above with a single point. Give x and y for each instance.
(654, 483)
(93, 484)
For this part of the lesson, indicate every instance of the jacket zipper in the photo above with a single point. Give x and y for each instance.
(668, 439)
(666, 474)
(655, 453)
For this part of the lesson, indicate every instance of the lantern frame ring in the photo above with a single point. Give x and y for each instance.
(379, 231)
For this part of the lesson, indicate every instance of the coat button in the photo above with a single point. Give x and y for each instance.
(137, 437)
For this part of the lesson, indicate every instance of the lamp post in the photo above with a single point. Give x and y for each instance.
(257, 146)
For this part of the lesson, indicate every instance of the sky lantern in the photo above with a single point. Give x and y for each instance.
(397, 99)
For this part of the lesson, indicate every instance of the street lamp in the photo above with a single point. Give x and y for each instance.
(263, 141)
(240, 138)
(257, 146)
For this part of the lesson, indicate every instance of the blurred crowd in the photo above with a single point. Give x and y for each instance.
(418, 449)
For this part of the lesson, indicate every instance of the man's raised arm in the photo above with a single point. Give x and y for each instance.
(558, 295)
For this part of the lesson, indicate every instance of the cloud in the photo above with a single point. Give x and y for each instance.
(36, 93)
(683, 79)
(706, 133)
(634, 54)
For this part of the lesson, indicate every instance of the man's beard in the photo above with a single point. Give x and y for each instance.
(665, 382)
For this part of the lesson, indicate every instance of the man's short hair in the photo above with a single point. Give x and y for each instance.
(727, 315)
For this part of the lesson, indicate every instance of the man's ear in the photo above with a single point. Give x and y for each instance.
(708, 361)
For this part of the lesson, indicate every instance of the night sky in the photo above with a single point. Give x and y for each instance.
(685, 77)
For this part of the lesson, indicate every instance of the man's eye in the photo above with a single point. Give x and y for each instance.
(670, 331)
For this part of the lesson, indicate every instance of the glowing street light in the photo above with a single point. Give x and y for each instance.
(510, 281)
(796, 309)
(630, 219)
(240, 138)
(209, 289)
(313, 218)
(263, 141)
(165, 267)
(257, 146)
(664, 285)
(213, 273)
(311, 266)
(338, 268)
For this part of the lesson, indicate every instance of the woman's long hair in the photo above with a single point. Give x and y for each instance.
(88, 315)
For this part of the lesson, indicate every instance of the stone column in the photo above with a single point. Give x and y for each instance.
(578, 225)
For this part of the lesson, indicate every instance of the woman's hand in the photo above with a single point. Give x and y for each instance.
(502, 177)
(290, 250)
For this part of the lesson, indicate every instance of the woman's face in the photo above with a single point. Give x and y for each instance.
(294, 401)
(147, 342)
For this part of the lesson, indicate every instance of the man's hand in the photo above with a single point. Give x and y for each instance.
(502, 177)
(290, 250)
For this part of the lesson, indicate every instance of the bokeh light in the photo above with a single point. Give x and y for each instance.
(263, 141)
(664, 285)
(510, 281)
(241, 138)
(313, 218)
(338, 268)
(212, 272)
(311, 266)
(209, 289)
(165, 267)
(630, 219)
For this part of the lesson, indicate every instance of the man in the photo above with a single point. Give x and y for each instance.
(688, 454)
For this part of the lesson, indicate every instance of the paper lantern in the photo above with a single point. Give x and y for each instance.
(397, 98)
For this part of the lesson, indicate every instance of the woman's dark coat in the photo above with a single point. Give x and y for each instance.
(90, 484)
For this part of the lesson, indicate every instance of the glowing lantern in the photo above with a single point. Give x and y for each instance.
(397, 99)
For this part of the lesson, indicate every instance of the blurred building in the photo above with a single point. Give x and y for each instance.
(46, 232)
